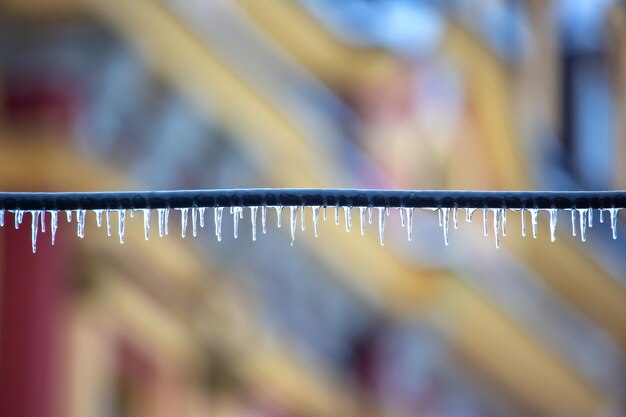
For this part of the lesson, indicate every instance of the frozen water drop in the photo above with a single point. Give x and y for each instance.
(485, 231)
(132, 213)
(409, 222)
(362, 219)
(553, 218)
(161, 220)
(264, 218)
(455, 217)
(496, 226)
(98, 214)
(347, 211)
(325, 213)
(369, 214)
(108, 217)
(194, 221)
(469, 214)
(146, 223)
(381, 225)
(184, 217)
(523, 216)
(16, 218)
(293, 220)
(80, 220)
(54, 223)
(68, 214)
(218, 212)
(121, 220)
(42, 217)
(387, 210)
(590, 217)
(601, 215)
(315, 215)
(201, 215)
(582, 220)
(337, 214)
(533, 220)
(402, 221)
(302, 214)
(253, 210)
(33, 228)
(446, 224)
(279, 212)
(614, 211)
(503, 220)
(573, 215)
(1, 218)
(440, 214)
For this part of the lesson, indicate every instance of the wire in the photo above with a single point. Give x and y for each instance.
(312, 197)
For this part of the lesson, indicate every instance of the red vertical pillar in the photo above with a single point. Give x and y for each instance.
(31, 305)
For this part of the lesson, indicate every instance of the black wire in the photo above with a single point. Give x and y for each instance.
(312, 197)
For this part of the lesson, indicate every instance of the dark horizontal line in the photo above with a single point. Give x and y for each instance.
(312, 197)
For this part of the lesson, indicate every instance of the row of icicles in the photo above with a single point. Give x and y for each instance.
(581, 218)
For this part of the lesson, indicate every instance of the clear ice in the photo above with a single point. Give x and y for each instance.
(347, 211)
(217, 214)
(409, 223)
(54, 222)
(362, 219)
(293, 219)
(533, 220)
(316, 212)
(381, 225)
(146, 223)
(80, 221)
(121, 219)
(184, 216)
(553, 218)
(253, 211)
(34, 228)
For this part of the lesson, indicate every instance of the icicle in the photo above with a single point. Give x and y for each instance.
(533, 220)
(194, 221)
(184, 217)
(409, 222)
(590, 217)
(33, 229)
(381, 225)
(455, 217)
(167, 220)
(108, 216)
(316, 213)
(369, 214)
(602, 215)
(121, 219)
(302, 214)
(387, 210)
(218, 211)
(583, 216)
(446, 224)
(42, 217)
(485, 231)
(98, 214)
(80, 220)
(347, 211)
(279, 211)
(16, 218)
(132, 213)
(68, 214)
(553, 218)
(325, 213)
(503, 219)
(253, 210)
(614, 211)
(496, 226)
(201, 211)
(263, 218)
(469, 214)
(54, 223)
(146, 223)
(402, 222)
(235, 211)
(293, 219)
(362, 219)
(1, 218)
(573, 213)
(440, 213)
(523, 216)
(161, 219)
(337, 214)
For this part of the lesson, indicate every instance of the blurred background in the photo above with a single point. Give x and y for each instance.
(177, 94)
